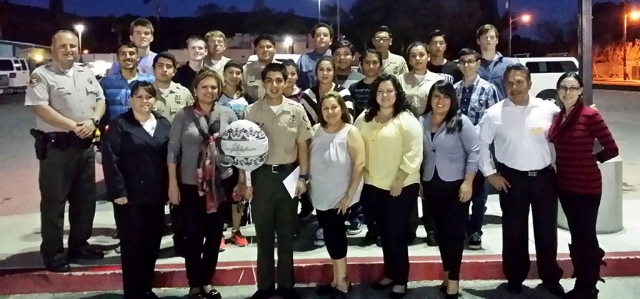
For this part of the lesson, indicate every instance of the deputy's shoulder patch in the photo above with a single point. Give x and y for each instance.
(34, 80)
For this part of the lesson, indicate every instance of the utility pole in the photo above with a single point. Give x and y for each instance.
(508, 5)
(338, 13)
(584, 49)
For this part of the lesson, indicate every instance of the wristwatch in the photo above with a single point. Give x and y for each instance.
(304, 177)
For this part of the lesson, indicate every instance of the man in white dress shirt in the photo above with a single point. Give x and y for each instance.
(524, 176)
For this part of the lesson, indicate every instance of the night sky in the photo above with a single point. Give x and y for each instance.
(561, 10)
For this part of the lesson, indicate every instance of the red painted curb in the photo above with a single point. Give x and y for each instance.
(361, 270)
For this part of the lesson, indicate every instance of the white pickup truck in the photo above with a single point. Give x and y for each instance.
(545, 72)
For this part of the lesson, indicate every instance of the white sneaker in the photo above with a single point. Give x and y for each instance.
(319, 238)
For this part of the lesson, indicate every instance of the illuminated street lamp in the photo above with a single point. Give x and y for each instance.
(525, 18)
(288, 42)
(79, 28)
(634, 15)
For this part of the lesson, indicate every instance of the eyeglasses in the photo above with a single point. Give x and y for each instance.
(569, 88)
(467, 62)
(387, 92)
(381, 39)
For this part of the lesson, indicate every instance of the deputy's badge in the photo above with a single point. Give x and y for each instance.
(178, 99)
(34, 80)
(293, 118)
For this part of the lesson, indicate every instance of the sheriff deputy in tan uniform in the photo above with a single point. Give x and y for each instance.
(286, 125)
(171, 96)
(391, 63)
(265, 47)
(68, 103)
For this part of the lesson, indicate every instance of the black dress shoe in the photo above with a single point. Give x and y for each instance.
(213, 294)
(554, 288)
(60, 265)
(514, 288)
(380, 287)
(197, 296)
(394, 294)
(264, 294)
(288, 293)
(86, 254)
(325, 290)
(431, 239)
(151, 295)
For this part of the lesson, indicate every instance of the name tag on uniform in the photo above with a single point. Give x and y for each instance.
(537, 131)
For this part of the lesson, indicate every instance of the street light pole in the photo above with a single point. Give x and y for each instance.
(319, 15)
(79, 28)
(338, 13)
(625, 75)
(508, 3)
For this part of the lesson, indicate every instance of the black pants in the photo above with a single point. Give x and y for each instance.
(535, 189)
(391, 214)
(274, 212)
(450, 217)
(66, 175)
(582, 214)
(140, 228)
(368, 209)
(203, 233)
(478, 204)
(335, 238)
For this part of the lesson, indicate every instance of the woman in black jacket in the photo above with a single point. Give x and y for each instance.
(134, 152)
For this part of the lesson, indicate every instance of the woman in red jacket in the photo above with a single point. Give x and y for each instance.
(573, 133)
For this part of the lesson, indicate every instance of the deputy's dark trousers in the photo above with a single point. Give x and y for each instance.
(535, 189)
(586, 255)
(274, 212)
(66, 175)
(140, 228)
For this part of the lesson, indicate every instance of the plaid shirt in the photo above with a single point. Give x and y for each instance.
(476, 98)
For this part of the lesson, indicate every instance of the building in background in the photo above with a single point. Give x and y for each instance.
(34, 54)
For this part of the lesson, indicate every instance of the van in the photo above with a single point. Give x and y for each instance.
(17, 71)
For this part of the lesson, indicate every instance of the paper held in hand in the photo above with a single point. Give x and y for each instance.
(291, 181)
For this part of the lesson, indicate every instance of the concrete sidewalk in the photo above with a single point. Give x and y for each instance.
(618, 288)
(21, 268)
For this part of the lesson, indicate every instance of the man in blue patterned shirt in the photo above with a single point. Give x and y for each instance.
(476, 95)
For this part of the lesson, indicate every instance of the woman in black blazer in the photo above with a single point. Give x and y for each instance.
(134, 153)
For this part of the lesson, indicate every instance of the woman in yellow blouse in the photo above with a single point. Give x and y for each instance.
(393, 148)
(417, 82)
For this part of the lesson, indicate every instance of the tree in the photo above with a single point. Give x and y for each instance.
(558, 37)
(613, 53)
(233, 9)
(209, 9)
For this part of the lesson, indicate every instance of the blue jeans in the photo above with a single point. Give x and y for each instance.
(478, 204)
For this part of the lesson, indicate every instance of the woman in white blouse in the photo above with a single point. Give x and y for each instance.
(336, 165)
